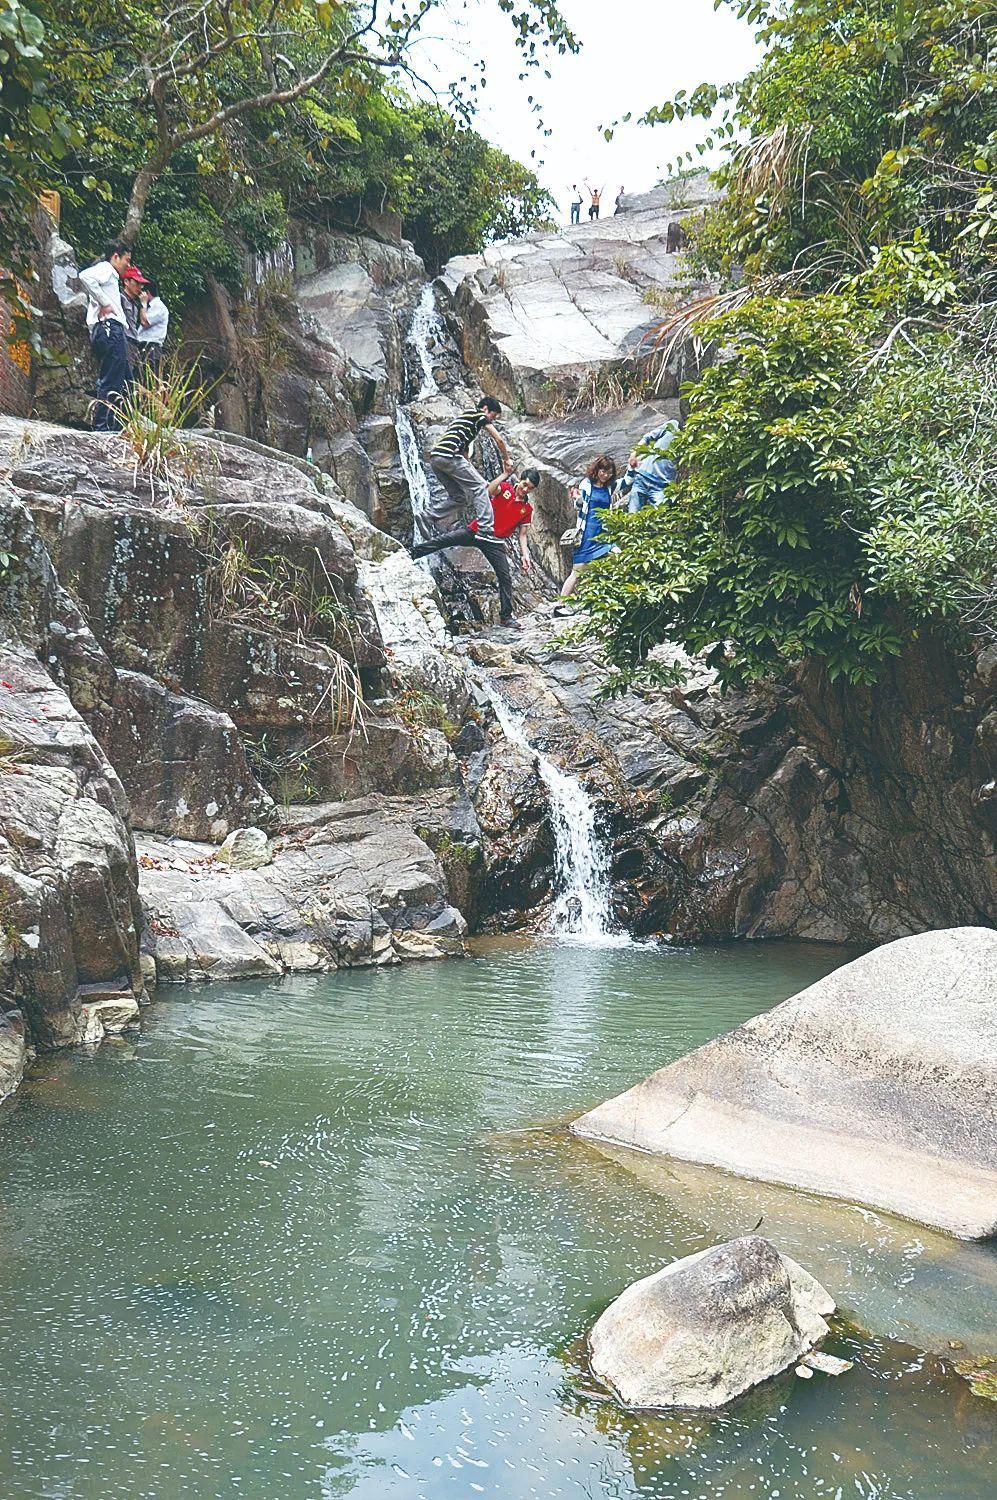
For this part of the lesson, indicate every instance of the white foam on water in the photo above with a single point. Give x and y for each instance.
(412, 465)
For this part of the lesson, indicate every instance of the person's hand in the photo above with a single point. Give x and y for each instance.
(634, 460)
(144, 297)
(107, 311)
(573, 492)
(526, 562)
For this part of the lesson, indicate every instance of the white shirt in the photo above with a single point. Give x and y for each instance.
(158, 315)
(103, 289)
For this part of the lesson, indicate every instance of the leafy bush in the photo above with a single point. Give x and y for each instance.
(824, 495)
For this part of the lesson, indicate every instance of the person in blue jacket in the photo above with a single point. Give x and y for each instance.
(648, 475)
(592, 497)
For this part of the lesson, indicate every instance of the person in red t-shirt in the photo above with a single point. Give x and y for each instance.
(513, 513)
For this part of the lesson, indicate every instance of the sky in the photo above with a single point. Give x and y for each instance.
(635, 53)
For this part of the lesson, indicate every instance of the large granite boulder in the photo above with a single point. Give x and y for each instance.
(877, 1084)
(707, 1328)
(349, 884)
(546, 317)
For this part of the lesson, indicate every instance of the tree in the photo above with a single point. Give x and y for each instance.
(180, 79)
(35, 135)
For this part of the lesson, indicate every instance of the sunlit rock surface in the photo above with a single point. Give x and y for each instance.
(545, 316)
(707, 1328)
(877, 1084)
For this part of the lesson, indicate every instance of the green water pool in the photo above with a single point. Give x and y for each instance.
(325, 1238)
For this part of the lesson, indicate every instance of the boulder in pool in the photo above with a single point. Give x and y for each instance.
(707, 1328)
(877, 1084)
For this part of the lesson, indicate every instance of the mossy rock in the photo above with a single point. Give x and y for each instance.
(981, 1376)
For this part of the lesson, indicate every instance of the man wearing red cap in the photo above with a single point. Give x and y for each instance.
(133, 282)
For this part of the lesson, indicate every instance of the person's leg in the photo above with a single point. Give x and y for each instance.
(571, 582)
(498, 555)
(442, 506)
(595, 214)
(473, 494)
(464, 537)
(639, 494)
(107, 339)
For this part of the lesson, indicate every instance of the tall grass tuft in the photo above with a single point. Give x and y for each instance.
(153, 413)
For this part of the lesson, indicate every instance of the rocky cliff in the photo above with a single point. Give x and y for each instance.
(249, 644)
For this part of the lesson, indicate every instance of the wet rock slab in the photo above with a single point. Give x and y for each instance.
(878, 1084)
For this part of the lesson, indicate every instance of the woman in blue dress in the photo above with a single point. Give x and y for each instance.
(592, 497)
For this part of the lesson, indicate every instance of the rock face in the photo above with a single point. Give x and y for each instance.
(877, 1084)
(802, 809)
(545, 318)
(68, 894)
(349, 884)
(707, 1328)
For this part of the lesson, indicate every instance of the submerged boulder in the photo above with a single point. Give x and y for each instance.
(708, 1327)
(877, 1084)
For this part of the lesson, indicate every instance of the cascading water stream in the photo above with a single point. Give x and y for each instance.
(424, 328)
(411, 459)
(582, 908)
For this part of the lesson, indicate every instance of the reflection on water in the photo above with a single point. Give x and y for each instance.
(320, 1239)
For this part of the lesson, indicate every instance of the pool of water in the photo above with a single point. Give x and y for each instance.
(323, 1238)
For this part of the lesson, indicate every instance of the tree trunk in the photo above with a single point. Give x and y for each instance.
(144, 180)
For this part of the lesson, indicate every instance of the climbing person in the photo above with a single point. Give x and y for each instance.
(576, 204)
(592, 497)
(512, 512)
(106, 324)
(596, 195)
(619, 202)
(649, 472)
(465, 489)
(154, 320)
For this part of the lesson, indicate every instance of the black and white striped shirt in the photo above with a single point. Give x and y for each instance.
(461, 433)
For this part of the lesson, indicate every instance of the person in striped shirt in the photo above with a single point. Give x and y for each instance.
(464, 488)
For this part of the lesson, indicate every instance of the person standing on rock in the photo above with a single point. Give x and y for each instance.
(465, 489)
(596, 196)
(510, 501)
(154, 318)
(576, 204)
(619, 202)
(592, 497)
(107, 328)
(132, 283)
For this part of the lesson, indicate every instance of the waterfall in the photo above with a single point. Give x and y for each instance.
(582, 908)
(425, 327)
(412, 465)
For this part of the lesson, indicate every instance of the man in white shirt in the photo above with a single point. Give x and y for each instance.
(106, 322)
(154, 320)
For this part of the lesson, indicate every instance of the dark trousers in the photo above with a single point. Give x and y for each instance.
(594, 211)
(576, 212)
(494, 550)
(114, 373)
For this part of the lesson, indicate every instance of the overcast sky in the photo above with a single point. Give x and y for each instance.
(635, 53)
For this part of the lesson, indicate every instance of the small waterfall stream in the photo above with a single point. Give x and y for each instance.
(582, 907)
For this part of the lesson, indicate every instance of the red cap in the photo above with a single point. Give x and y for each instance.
(132, 273)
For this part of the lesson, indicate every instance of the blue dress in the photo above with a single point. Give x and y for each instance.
(593, 543)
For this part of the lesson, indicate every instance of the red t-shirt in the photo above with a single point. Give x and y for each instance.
(510, 512)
